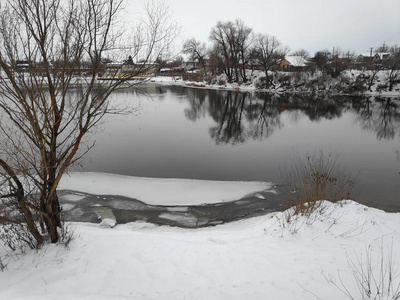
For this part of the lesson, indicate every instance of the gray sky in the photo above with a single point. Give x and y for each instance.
(310, 24)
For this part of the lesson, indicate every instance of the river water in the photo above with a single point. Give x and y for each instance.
(179, 132)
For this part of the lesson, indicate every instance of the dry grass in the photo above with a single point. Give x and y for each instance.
(313, 178)
(376, 276)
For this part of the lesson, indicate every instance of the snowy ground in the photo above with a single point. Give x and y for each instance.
(303, 82)
(161, 191)
(258, 258)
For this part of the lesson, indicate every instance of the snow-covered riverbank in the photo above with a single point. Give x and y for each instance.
(349, 82)
(259, 258)
(161, 191)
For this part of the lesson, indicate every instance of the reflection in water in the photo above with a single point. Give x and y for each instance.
(222, 135)
(197, 108)
(379, 115)
(237, 116)
(243, 116)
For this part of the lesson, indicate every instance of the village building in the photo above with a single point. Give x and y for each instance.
(292, 63)
(122, 70)
(371, 60)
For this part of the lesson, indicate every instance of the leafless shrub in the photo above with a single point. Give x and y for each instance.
(67, 235)
(376, 277)
(16, 237)
(284, 79)
(221, 82)
(198, 77)
(317, 177)
(14, 232)
(264, 82)
(209, 79)
(2, 265)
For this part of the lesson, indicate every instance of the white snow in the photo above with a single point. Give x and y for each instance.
(73, 197)
(259, 196)
(161, 191)
(295, 82)
(259, 258)
(108, 223)
(67, 206)
(296, 60)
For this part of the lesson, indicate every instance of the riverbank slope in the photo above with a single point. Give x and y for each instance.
(349, 82)
(266, 257)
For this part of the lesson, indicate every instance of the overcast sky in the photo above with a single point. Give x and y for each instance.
(309, 24)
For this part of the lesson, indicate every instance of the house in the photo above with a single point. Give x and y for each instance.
(297, 62)
(22, 65)
(382, 55)
(254, 64)
(370, 60)
(190, 65)
(282, 65)
(292, 63)
(121, 70)
(174, 71)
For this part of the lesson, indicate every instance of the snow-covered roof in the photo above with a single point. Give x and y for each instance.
(365, 54)
(115, 63)
(382, 55)
(296, 60)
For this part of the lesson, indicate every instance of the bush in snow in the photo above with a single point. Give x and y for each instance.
(264, 82)
(317, 177)
(376, 276)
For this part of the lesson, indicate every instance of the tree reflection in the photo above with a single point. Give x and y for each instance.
(317, 109)
(379, 115)
(227, 112)
(197, 108)
(239, 117)
(264, 118)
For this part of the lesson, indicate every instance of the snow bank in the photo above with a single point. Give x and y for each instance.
(259, 258)
(156, 191)
(349, 82)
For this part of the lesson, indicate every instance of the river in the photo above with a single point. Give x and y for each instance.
(179, 132)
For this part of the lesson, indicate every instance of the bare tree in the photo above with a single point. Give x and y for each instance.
(392, 64)
(244, 41)
(196, 50)
(301, 53)
(222, 47)
(338, 63)
(269, 50)
(43, 123)
(231, 47)
(153, 37)
(372, 77)
(321, 59)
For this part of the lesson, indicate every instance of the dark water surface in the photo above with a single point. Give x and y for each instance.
(95, 208)
(219, 135)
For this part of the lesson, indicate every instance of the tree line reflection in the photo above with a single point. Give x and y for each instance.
(239, 116)
(379, 115)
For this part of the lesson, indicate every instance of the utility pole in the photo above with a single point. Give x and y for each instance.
(370, 53)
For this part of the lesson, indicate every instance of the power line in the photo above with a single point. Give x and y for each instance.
(392, 36)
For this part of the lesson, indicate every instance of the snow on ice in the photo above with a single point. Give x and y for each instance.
(259, 258)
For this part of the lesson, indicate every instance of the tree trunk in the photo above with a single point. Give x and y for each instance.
(52, 220)
(22, 204)
(392, 78)
(33, 229)
(52, 208)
